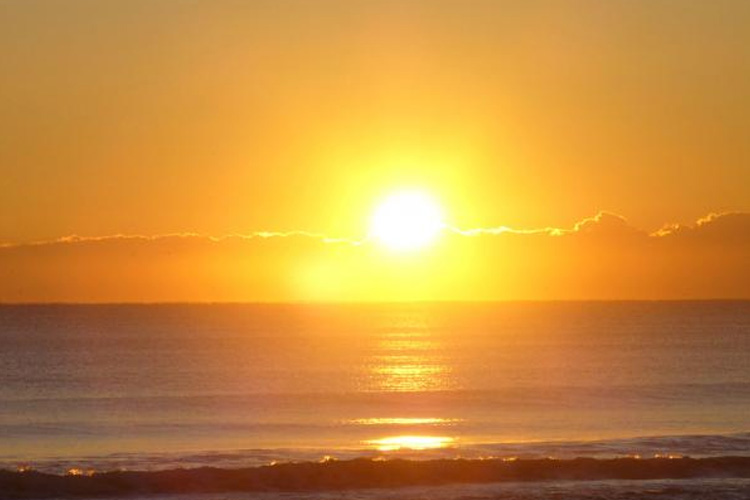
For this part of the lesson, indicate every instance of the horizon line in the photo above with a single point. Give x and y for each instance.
(665, 229)
(362, 302)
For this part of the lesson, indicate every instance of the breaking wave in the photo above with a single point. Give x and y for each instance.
(336, 475)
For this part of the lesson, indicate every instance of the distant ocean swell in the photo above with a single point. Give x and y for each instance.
(676, 446)
(377, 402)
(334, 475)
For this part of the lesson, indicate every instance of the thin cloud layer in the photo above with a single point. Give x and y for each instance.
(602, 222)
(601, 257)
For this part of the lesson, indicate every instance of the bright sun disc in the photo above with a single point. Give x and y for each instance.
(407, 220)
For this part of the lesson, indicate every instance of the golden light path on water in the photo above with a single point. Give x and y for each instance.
(394, 443)
(404, 421)
(409, 360)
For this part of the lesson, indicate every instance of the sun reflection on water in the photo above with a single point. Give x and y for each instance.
(410, 358)
(404, 421)
(408, 361)
(393, 443)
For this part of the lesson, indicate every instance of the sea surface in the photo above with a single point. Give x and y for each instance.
(151, 387)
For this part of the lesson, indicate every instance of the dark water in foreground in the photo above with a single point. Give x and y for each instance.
(704, 489)
(163, 386)
(387, 476)
(572, 490)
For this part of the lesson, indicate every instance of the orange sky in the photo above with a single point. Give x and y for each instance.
(149, 118)
(601, 257)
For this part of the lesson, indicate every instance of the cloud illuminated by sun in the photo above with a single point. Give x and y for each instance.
(407, 220)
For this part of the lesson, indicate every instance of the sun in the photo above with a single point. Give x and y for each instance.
(407, 220)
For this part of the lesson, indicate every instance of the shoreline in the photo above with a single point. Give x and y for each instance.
(339, 475)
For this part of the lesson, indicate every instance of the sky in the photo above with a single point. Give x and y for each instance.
(162, 127)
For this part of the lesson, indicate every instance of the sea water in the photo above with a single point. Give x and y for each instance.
(145, 387)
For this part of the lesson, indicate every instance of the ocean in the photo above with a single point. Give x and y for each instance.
(87, 389)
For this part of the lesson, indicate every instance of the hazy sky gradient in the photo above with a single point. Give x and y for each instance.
(160, 116)
(600, 257)
(148, 118)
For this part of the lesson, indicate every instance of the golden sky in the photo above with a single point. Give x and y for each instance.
(601, 257)
(166, 117)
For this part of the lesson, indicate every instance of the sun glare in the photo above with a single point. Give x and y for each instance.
(395, 443)
(407, 220)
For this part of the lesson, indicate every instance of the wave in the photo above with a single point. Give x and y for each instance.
(335, 475)
(692, 445)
